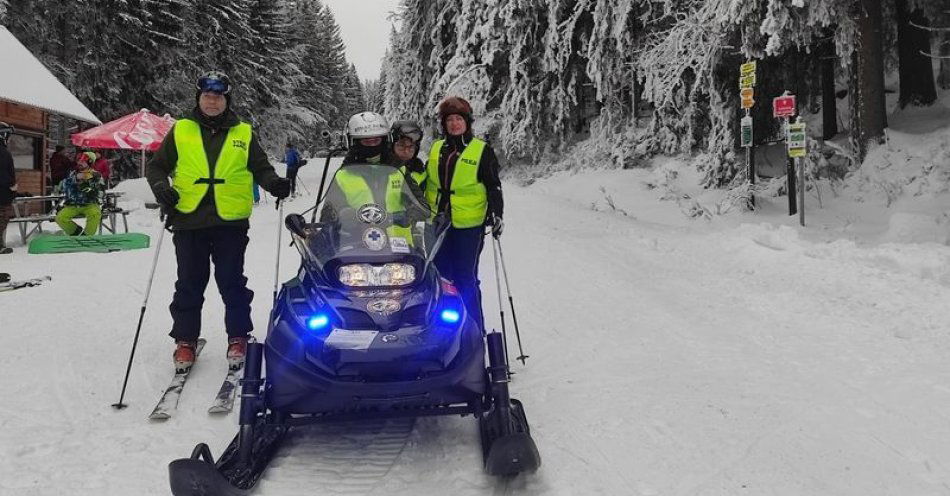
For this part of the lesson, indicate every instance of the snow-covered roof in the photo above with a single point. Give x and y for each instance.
(31, 83)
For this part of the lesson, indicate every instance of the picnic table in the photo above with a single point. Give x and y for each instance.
(36, 210)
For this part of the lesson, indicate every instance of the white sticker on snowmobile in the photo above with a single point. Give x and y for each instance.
(399, 245)
(343, 339)
(372, 213)
(374, 239)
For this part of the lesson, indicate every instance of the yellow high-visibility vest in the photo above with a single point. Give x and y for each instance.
(468, 197)
(359, 193)
(233, 182)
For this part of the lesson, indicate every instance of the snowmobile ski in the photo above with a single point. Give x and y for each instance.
(169, 400)
(11, 285)
(224, 400)
(229, 476)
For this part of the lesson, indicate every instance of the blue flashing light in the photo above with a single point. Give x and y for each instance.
(318, 322)
(450, 316)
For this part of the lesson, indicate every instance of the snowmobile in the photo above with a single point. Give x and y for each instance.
(366, 330)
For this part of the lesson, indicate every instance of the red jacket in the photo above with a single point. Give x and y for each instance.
(102, 167)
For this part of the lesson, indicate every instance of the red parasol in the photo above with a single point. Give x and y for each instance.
(142, 130)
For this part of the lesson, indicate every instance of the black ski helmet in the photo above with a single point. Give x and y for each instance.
(406, 129)
(213, 82)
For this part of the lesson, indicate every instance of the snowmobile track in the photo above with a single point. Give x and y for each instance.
(344, 458)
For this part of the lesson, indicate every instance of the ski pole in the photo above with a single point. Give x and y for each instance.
(511, 302)
(148, 289)
(323, 180)
(280, 231)
(501, 306)
(300, 182)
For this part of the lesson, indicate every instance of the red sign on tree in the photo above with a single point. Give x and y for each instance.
(783, 106)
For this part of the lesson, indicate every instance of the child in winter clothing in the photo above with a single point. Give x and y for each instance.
(83, 189)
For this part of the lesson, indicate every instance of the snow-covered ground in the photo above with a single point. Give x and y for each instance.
(670, 355)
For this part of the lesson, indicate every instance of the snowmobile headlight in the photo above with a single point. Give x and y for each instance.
(397, 274)
(391, 274)
(356, 275)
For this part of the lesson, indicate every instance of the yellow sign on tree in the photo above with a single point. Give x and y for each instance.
(747, 69)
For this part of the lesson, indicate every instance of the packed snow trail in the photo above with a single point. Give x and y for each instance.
(667, 358)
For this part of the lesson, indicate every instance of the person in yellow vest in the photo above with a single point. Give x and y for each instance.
(213, 160)
(368, 143)
(461, 179)
(407, 140)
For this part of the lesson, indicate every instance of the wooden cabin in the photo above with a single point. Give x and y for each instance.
(27, 101)
(28, 145)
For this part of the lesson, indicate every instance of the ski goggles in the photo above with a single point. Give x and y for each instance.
(411, 132)
(213, 85)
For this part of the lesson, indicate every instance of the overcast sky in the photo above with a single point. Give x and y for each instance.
(365, 27)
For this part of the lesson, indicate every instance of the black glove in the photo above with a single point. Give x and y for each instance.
(497, 225)
(280, 188)
(166, 196)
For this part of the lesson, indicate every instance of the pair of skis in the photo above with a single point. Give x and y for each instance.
(7, 284)
(223, 401)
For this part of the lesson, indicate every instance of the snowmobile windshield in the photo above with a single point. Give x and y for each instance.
(375, 228)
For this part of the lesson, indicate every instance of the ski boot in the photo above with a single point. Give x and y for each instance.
(237, 349)
(184, 356)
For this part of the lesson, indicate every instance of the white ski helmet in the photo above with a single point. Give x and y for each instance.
(366, 125)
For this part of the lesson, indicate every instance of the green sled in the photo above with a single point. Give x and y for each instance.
(51, 243)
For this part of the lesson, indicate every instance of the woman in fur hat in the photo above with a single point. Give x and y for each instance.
(461, 179)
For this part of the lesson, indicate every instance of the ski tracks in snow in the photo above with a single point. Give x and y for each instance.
(337, 459)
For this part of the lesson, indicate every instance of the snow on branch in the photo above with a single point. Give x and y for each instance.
(933, 56)
(929, 28)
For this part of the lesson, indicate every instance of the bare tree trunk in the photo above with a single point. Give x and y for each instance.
(943, 78)
(829, 104)
(915, 68)
(867, 80)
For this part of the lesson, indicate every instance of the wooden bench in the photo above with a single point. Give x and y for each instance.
(38, 220)
(22, 217)
(109, 214)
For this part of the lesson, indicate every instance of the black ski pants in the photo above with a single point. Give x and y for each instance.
(195, 249)
(292, 176)
(457, 261)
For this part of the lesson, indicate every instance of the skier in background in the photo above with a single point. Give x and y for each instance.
(292, 159)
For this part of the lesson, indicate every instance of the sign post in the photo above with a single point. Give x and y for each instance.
(783, 107)
(747, 93)
(797, 148)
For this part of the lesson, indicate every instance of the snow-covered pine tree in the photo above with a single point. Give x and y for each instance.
(271, 57)
(374, 95)
(354, 91)
(306, 25)
(418, 54)
(330, 68)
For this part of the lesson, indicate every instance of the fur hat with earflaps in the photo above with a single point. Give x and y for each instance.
(456, 105)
